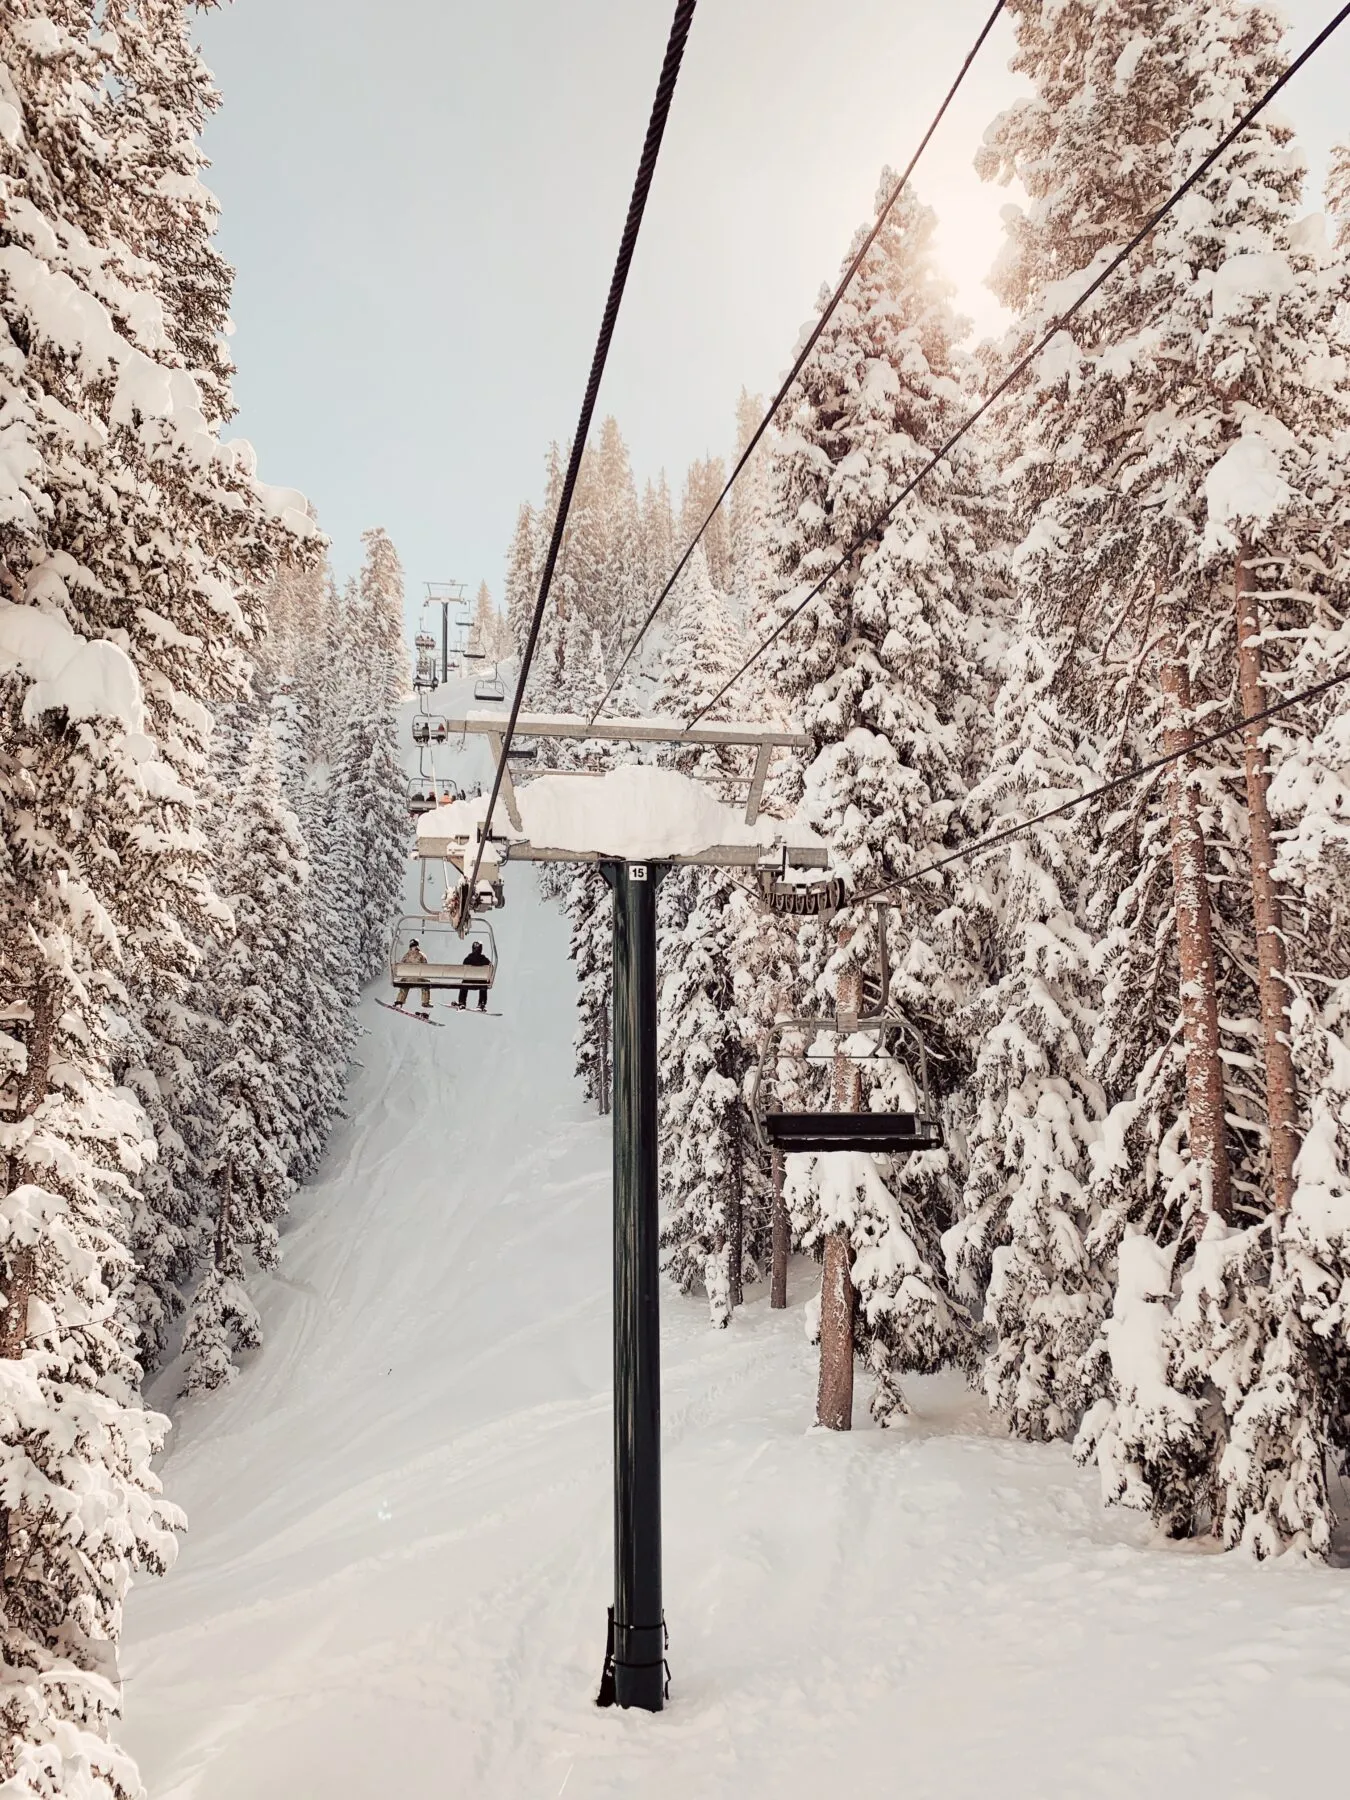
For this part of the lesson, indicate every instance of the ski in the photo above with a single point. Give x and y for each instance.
(423, 1018)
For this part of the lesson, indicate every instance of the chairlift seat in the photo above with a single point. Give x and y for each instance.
(489, 690)
(443, 975)
(886, 1134)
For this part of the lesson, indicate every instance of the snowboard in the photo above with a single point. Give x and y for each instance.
(421, 1017)
(483, 1012)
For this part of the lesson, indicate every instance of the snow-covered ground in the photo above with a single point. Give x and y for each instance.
(398, 1562)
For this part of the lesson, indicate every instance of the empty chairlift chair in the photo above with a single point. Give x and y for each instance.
(883, 1133)
(490, 687)
(884, 1034)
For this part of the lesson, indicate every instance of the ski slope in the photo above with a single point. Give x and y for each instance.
(398, 1563)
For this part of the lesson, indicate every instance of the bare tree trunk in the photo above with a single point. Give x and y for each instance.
(223, 1217)
(1195, 945)
(603, 1083)
(1281, 1082)
(782, 1237)
(834, 1392)
(736, 1223)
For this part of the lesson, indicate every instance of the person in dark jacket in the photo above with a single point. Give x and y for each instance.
(475, 960)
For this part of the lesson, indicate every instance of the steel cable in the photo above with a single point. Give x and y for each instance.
(665, 93)
(802, 355)
(877, 529)
(1137, 773)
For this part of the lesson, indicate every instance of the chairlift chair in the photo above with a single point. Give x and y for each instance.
(800, 893)
(892, 1037)
(490, 687)
(421, 795)
(884, 1134)
(431, 730)
(443, 947)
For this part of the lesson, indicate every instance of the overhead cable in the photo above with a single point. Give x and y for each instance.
(1137, 773)
(800, 363)
(877, 528)
(665, 93)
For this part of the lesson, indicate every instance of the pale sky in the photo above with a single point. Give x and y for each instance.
(423, 200)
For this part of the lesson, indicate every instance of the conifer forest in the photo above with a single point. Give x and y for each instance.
(990, 701)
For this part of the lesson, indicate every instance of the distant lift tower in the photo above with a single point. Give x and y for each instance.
(635, 1653)
(446, 594)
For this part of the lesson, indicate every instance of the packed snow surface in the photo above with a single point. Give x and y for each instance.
(398, 1562)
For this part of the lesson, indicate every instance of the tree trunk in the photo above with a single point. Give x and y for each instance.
(603, 1083)
(1195, 944)
(1281, 1083)
(834, 1394)
(782, 1237)
(223, 1217)
(735, 1223)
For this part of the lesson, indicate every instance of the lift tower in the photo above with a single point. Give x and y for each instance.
(635, 1659)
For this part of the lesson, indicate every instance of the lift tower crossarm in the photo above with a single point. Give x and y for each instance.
(635, 731)
(762, 739)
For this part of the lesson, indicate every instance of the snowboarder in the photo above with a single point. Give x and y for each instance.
(476, 960)
(413, 954)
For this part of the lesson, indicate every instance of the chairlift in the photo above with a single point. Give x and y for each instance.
(473, 653)
(431, 730)
(443, 946)
(800, 893)
(885, 1134)
(489, 687)
(421, 796)
(883, 1034)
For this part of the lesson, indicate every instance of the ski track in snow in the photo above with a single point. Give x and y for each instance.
(398, 1559)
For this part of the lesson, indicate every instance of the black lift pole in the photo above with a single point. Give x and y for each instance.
(635, 1660)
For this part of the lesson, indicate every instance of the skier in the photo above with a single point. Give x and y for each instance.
(476, 960)
(413, 954)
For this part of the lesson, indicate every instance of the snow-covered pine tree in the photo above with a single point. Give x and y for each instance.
(658, 537)
(746, 508)
(709, 1155)
(703, 482)
(522, 579)
(881, 670)
(324, 980)
(1338, 193)
(368, 789)
(134, 546)
(257, 1080)
(379, 613)
(1179, 426)
(1019, 1249)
